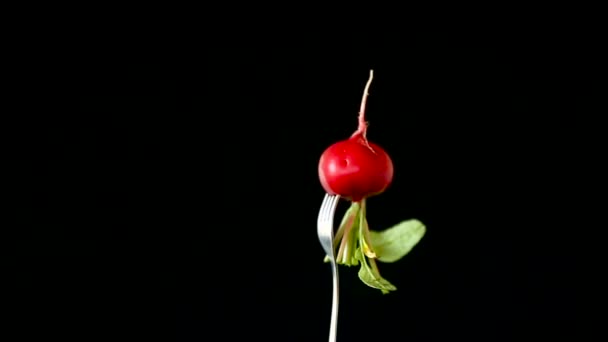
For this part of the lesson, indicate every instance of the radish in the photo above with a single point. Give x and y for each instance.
(357, 169)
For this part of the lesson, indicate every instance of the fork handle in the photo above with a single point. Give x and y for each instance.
(333, 328)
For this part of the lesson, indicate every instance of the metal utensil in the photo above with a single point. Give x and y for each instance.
(325, 223)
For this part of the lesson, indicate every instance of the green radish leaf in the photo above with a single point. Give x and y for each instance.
(368, 273)
(371, 278)
(381, 284)
(394, 243)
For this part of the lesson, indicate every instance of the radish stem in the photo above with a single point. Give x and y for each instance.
(374, 266)
(343, 244)
(362, 129)
(340, 233)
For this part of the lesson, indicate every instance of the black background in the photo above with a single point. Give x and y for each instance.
(174, 192)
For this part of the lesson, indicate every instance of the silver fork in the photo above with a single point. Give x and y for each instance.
(325, 224)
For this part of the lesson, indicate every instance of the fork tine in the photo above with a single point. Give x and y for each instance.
(324, 208)
(325, 222)
(328, 208)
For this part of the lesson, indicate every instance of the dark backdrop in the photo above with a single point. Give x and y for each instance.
(175, 190)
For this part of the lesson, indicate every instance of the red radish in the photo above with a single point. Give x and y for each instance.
(356, 168)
